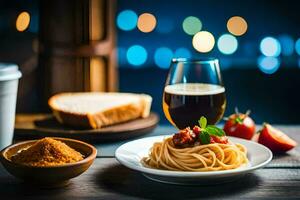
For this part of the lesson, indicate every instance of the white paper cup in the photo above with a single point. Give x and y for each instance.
(9, 78)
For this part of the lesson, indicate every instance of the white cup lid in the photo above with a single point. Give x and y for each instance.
(9, 71)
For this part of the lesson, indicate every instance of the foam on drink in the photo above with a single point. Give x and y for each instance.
(194, 89)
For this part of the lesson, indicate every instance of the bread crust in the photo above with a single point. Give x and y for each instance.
(104, 118)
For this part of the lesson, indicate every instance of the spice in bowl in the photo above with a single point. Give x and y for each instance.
(47, 152)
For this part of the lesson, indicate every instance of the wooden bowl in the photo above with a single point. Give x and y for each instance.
(52, 176)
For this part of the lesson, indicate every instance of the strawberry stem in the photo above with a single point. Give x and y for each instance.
(236, 110)
(226, 118)
(248, 113)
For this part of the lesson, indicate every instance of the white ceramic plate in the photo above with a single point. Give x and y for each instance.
(131, 153)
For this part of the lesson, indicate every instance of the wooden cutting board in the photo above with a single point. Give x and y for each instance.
(33, 126)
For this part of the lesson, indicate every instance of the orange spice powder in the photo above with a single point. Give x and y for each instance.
(47, 152)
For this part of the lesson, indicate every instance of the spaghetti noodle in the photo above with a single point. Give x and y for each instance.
(207, 157)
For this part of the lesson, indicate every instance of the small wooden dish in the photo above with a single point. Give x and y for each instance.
(53, 176)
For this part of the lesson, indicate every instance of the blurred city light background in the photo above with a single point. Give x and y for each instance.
(257, 43)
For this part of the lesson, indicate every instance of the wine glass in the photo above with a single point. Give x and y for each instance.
(194, 88)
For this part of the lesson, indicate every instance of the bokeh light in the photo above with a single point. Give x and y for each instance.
(164, 25)
(287, 45)
(182, 53)
(136, 55)
(163, 57)
(227, 44)
(297, 46)
(237, 25)
(127, 20)
(23, 21)
(268, 65)
(146, 22)
(203, 41)
(191, 25)
(270, 46)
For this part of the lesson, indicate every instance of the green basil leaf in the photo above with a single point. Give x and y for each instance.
(202, 122)
(204, 137)
(213, 130)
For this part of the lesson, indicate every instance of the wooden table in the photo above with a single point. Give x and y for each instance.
(107, 179)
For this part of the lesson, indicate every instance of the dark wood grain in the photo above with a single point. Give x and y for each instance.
(107, 179)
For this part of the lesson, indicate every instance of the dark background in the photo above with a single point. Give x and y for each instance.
(271, 97)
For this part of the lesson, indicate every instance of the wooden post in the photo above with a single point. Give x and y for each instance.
(77, 42)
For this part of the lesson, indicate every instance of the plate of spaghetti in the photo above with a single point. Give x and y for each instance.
(199, 155)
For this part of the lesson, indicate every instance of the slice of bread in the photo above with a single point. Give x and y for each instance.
(96, 109)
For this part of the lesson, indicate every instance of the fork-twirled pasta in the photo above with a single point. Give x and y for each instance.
(209, 157)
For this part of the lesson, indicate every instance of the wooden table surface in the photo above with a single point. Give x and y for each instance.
(107, 179)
